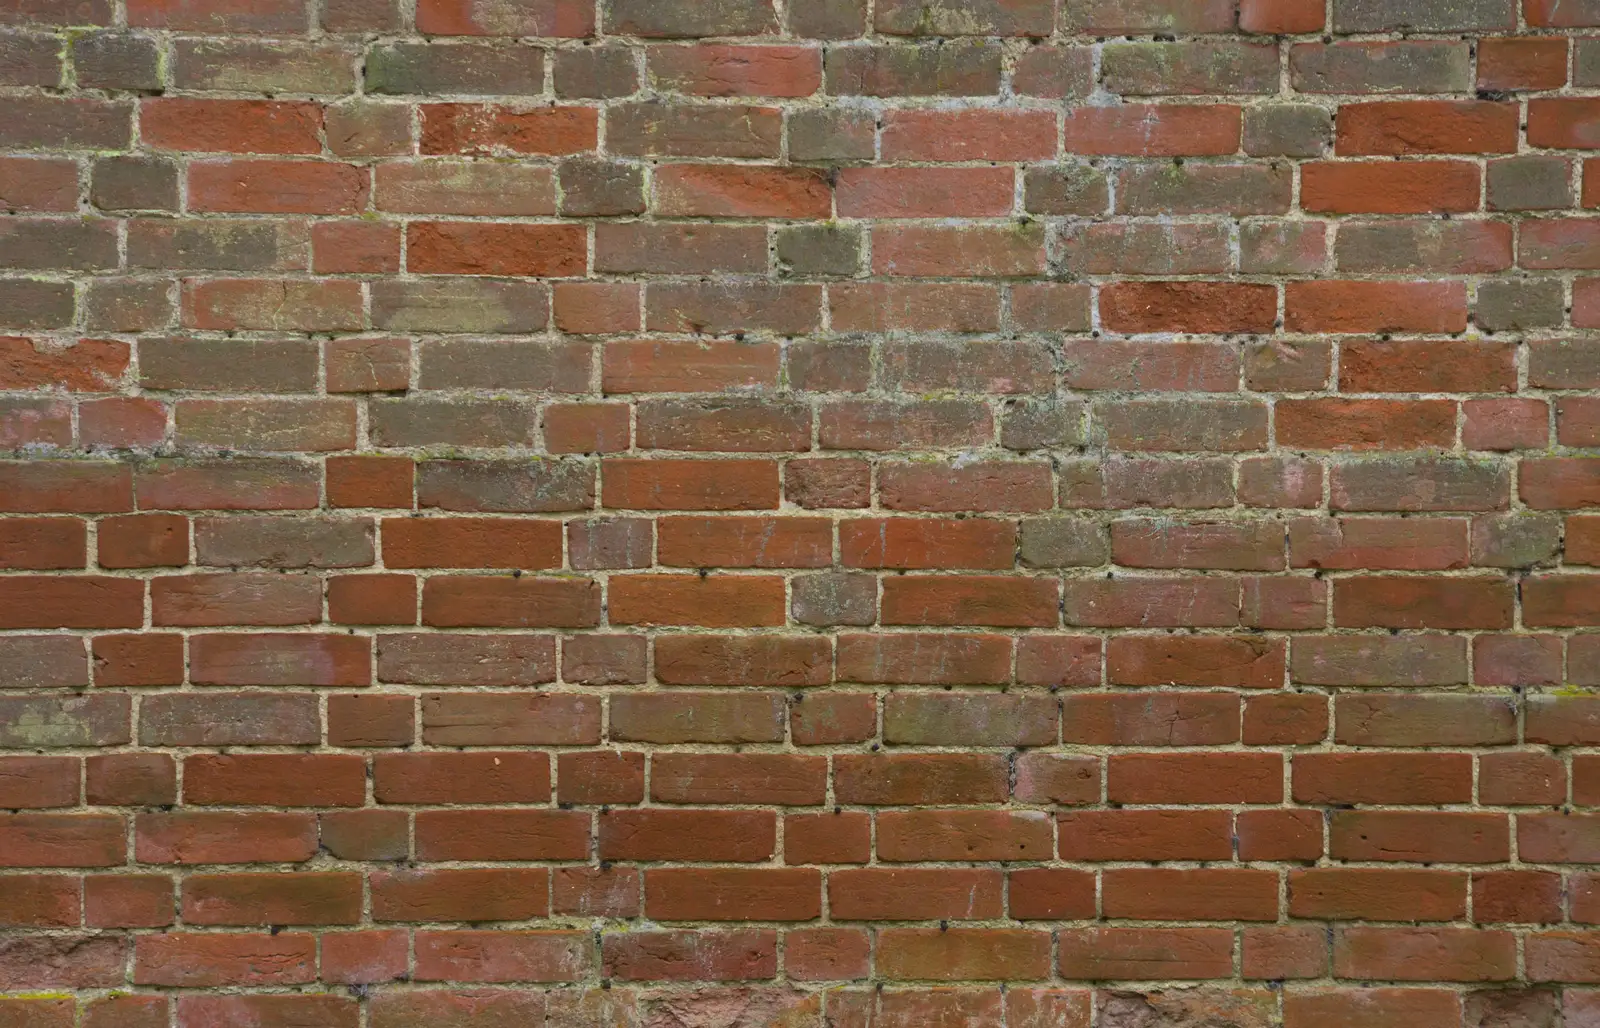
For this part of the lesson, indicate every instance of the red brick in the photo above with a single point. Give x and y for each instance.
(503, 956)
(1194, 778)
(731, 542)
(501, 834)
(434, 778)
(1152, 602)
(457, 1007)
(1280, 16)
(742, 660)
(586, 428)
(1140, 952)
(1424, 954)
(711, 69)
(1561, 123)
(980, 486)
(1514, 778)
(1375, 307)
(39, 184)
(710, 190)
(982, 600)
(629, 367)
(131, 779)
(31, 601)
(957, 954)
(471, 543)
(594, 892)
(963, 835)
(270, 304)
(903, 894)
(280, 659)
(1188, 307)
(460, 894)
(1140, 130)
(128, 901)
(364, 957)
(489, 130)
(277, 187)
(471, 601)
(1429, 126)
(826, 954)
(969, 720)
(231, 126)
(42, 544)
(272, 898)
(924, 192)
(724, 601)
(1356, 893)
(224, 838)
(1048, 778)
(561, 18)
(281, 780)
(695, 835)
(370, 720)
(353, 247)
(741, 955)
(1366, 424)
(633, 484)
(138, 660)
(370, 481)
(1507, 896)
(273, 17)
(1381, 778)
(1282, 953)
(40, 901)
(758, 894)
(90, 365)
(216, 1011)
(1131, 719)
(838, 838)
(1051, 894)
(1403, 602)
(596, 307)
(1220, 894)
(919, 135)
(1276, 719)
(1355, 187)
(1403, 836)
(1373, 1008)
(205, 959)
(550, 719)
(372, 600)
(472, 248)
(601, 777)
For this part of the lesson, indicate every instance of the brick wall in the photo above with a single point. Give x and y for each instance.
(815, 514)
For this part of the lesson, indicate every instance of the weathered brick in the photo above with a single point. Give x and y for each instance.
(445, 69)
(1202, 341)
(259, 67)
(1419, 67)
(1156, 69)
(1461, 15)
(956, 69)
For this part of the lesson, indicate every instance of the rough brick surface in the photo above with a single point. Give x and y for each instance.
(799, 513)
